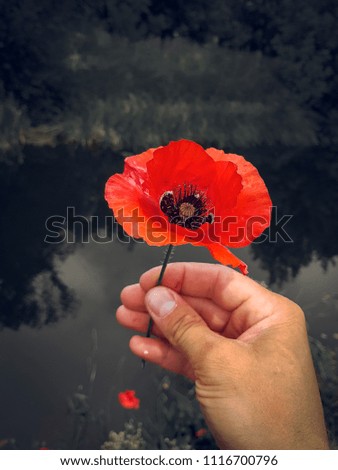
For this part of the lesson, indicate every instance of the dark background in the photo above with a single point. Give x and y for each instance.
(84, 84)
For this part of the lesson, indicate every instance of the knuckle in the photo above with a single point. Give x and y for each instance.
(289, 307)
(296, 312)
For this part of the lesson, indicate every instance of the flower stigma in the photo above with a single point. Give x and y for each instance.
(186, 210)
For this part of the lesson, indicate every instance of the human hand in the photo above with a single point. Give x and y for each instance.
(245, 347)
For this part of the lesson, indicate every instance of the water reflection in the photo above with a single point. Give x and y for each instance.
(49, 181)
(89, 349)
(302, 183)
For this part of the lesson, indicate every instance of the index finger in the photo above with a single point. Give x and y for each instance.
(226, 287)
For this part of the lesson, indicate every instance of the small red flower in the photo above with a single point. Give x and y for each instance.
(201, 432)
(181, 193)
(128, 400)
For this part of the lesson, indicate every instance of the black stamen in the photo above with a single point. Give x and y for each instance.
(167, 204)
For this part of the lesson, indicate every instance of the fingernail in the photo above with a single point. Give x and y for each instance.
(160, 301)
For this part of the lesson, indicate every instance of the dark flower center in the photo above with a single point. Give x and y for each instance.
(186, 206)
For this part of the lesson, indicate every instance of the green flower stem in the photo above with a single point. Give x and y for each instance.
(158, 283)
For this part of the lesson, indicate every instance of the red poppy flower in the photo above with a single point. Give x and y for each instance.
(128, 400)
(181, 193)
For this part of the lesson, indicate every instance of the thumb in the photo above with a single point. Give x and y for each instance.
(179, 322)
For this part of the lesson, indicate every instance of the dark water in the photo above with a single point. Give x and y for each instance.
(58, 300)
(95, 81)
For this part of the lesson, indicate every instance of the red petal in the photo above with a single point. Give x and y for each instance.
(138, 214)
(224, 256)
(129, 203)
(178, 163)
(201, 432)
(224, 190)
(138, 163)
(252, 211)
(129, 400)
